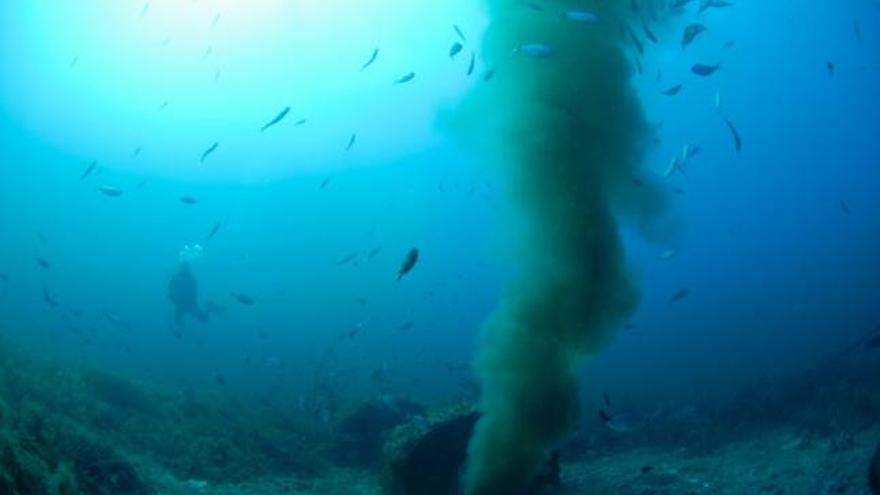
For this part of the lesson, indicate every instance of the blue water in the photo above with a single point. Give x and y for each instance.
(778, 243)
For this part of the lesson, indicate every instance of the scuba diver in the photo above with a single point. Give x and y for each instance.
(183, 289)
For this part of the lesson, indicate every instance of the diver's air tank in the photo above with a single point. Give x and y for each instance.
(874, 474)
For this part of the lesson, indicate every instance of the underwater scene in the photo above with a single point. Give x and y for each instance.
(424, 247)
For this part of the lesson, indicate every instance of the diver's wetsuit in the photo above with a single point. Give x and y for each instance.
(183, 290)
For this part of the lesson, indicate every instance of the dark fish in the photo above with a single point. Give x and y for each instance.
(189, 200)
(622, 422)
(704, 70)
(407, 325)
(635, 41)
(244, 299)
(857, 30)
(137, 152)
(372, 59)
(472, 64)
(351, 141)
(325, 183)
(208, 151)
(455, 49)
(716, 4)
(737, 140)
(4, 277)
(679, 295)
(88, 171)
(50, 299)
(648, 33)
(459, 32)
(278, 118)
(844, 207)
(829, 67)
(214, 230)
(674, 90)
(690, 34)
(113, 192)
(489, 74)
(347, 259)
(43, 263)
(405, 78)
(374, 252)
(300, 122)
(412, 257)
(730, 44)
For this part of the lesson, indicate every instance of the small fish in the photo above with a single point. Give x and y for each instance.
(405, 78)
(214, 230)
(490, 73)
(4, 277)
(189, 200)
(690, 34)
(857, 30)
(705, 70)
(640, 48)
(208, 152)
(679, 295)
(88, 171)
(535, 50)
(351, 141)
(648, 33)
(372, 59)
(50, 299)
(412, 257)
(74, 61)
(110, 191)
(347, 259)
(42, 238)
(622, 422)
(707, 4)
(829, 68)
(325, 183)
(737, 140)
(244, 299)
(278, 118)
(472, 65)
(300, 122)
(374, 252)
(674, 90)
(581, 16)
(844, 207)
(145, 10)
(43, 263)
(137, 152)
(459, 32)
(455, 49)
(729, 45)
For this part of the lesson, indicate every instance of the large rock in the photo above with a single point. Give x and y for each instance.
(426, 456)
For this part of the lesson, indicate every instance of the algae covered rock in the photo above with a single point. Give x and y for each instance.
(426, 456)
(361, 434)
